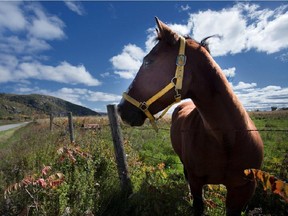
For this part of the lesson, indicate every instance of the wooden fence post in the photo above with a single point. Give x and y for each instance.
(119, 150)
(51, 121)
(71, 129)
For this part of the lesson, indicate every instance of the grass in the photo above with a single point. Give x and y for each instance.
(5, 135)
(91, 182)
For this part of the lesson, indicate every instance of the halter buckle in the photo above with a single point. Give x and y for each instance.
(181, 60)
(143, 106)
(177, 97)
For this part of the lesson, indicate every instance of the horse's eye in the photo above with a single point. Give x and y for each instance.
(146, 63)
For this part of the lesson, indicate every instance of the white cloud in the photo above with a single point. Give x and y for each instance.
(205, 23)
(126, 74)
(263, 98)
(249, 27)
(105, 74)
(25, 29)
(11, 16)
(75, 7)
(230, 72)
(13, 70)
(43, 25)
(270, 37)
(16, 45)
(283, 57)
(102, 96)
(180, 28)
(244, 86)
(150, 40)
(80, 96)
(127, 63)
(185, 7)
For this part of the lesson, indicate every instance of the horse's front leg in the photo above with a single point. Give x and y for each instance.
(238, 198)
(196, 188)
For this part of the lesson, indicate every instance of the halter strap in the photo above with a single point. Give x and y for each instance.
(175, 83)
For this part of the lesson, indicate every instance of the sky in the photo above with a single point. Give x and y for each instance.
(88, 52)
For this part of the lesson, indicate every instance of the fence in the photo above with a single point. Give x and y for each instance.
(70, 125)
(119, 149)
(117, 141)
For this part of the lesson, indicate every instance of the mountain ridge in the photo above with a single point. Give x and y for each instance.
(12, 105)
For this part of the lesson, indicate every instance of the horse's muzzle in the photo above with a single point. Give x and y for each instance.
(131, 114)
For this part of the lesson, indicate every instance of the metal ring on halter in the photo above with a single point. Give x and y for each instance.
(181, 60)
(143, 106)
(174, 80)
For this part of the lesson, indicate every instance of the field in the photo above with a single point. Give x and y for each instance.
(42, 173)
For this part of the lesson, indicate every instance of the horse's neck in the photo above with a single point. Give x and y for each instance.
(215, 100)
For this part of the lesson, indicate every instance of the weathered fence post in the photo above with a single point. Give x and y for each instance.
(71, 129)
(119, 150)
(51, 121)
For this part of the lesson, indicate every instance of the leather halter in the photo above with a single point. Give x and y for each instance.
(176, 83)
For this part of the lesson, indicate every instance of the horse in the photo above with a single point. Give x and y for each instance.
(212, 133)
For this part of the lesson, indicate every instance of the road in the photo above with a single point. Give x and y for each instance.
(10, 126)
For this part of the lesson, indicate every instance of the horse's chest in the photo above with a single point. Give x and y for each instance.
(202, 153)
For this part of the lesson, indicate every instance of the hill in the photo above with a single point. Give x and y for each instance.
(14, 106)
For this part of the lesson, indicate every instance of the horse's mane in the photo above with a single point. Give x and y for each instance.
(203, 42)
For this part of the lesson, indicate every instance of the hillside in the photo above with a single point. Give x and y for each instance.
(13, 106)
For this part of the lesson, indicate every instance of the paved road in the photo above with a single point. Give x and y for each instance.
(10, 126)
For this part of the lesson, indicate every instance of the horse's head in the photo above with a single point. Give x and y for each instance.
(156, 84)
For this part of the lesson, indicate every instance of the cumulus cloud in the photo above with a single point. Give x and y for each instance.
(26, 28)
(16, 45)
(229, 72)
(13, 70)
(127, 63)
(32, 26)
(249, 27)
(80, 96)
(262, 98)
(25, 31)
(11, 16)
(244, 86)
(48, 29)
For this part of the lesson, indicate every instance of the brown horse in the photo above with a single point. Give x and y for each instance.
(213, 135)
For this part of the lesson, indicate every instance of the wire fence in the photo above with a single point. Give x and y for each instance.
(130, 131)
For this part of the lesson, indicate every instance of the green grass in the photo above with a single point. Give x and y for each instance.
(91, 182)
(4, 135)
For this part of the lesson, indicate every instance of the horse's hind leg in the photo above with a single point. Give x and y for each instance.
(237, 198)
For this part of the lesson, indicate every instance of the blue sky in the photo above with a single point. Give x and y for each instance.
(88, 52)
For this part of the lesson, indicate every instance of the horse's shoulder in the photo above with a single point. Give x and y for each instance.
(184, 111)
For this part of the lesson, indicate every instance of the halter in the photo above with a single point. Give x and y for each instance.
(176, 83)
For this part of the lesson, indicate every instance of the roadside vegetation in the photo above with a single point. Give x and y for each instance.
(42, 173)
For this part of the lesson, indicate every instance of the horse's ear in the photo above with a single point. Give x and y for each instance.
(165, 33)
